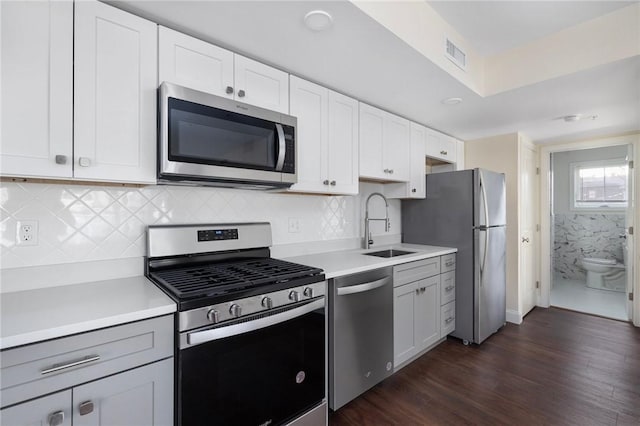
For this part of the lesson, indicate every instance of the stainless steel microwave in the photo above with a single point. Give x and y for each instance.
(210, 140)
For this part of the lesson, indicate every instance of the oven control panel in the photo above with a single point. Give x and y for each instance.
(217, 234)
(215, 314)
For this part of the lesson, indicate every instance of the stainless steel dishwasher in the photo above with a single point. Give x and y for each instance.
(360, 333)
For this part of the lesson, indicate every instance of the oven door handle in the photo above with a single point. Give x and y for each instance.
(282, 147)
(199, 337)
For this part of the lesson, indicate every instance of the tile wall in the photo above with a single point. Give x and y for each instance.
(585, 235)
(89, 222)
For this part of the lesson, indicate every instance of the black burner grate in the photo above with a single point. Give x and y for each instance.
(217, 279)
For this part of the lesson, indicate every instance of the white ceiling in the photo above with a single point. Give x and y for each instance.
(495, 26)
(359, 57)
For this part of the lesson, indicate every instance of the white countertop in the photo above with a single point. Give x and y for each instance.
(34, 315)
(345, 262)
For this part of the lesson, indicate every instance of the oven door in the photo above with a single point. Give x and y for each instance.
(266, 370)
(206, 136)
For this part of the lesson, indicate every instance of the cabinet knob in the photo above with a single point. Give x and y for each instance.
(56, 418)
(85, 408)
(61, 159)
(229, 90)
(391, 171)
(333, 183)
(84, 161)
(325, 182)
(413, 190)
(417, 291)
(386, 170)
(525, 240)
(443, 152)
(241, 93)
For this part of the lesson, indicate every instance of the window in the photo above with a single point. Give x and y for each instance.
(599, 185)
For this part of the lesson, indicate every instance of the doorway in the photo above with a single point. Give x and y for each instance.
(587, 247)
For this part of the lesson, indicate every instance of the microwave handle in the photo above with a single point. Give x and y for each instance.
(282, 147)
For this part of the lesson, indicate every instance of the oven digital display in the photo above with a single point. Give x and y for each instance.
(218, 234)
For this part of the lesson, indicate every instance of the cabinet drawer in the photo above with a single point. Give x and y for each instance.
(33, 370)
(448, 262)
(447, 287)
(447, 318)
(409, 272)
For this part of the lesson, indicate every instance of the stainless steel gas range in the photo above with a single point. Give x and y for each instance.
(250, 329)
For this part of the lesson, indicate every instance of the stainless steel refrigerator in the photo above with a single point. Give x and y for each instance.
(467, 210)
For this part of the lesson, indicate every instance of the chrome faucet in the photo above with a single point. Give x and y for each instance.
(387, 224)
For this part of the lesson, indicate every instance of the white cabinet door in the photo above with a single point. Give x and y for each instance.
(396, 148)
(416, 187)
(37, 88)
(115, 81)
(309, 103)
(142, 396)
(428, 312)
(405, 334)
(441, 146)
(193, 63)
(261, 85)
(371, 142)
(342, 144)
(54, 409)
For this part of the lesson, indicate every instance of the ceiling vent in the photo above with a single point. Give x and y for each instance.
(455, 54)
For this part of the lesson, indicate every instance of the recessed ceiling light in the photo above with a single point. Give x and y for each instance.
(318, 20)
(578, 117)
(452, 101)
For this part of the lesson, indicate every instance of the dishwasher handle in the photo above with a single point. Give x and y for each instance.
(361, 288)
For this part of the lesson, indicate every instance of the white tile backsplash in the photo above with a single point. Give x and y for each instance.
(91, 223)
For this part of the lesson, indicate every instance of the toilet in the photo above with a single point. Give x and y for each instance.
(605, 274)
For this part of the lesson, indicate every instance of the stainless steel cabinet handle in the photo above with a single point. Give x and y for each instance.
(525, 240)
(241, 93)
(56, 418)
(448, 320)
(449, 288)
(333, 183)
(229, 90)
(443, 152)
(417, 291)
(85, 408)
(450, 263)
(61, 159)
(84, 161)
(386, 170)
(325, 182)
(413, 190)
(391, 171)
(360, 288)
(57, 367)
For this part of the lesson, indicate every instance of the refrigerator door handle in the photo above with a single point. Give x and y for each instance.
(484, 253)
(484, 201)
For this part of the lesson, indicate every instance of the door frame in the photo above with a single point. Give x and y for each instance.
(544, 297)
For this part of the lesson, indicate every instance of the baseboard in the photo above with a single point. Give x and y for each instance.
(514, 317)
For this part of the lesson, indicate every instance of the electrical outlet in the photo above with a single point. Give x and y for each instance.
(294, 225)
(27, 233)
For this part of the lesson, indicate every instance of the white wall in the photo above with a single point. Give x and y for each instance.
(91, 223)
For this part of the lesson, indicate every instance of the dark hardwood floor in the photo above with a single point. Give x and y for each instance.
(557, 368)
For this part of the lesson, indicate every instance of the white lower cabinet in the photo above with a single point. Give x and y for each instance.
(121, 375)
(51, 410)
(142, 396)
(416, 318)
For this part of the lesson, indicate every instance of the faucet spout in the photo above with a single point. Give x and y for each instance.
(387, 223)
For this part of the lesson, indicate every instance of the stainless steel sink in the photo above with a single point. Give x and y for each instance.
(388, 253)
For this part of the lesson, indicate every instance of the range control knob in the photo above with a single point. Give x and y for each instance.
(267, 303)
(308, 292)
(235, 310)
(294, 295)
(213, 316)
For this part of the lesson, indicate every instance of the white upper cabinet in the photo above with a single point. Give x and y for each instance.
(193, 63)
(114, 95)
(384, 145)
(441, 146)
(36, 86)
(416, 187)
(199, 65)
(327, 139)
